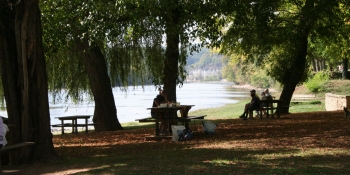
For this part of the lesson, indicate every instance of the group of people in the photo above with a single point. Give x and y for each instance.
(254, 104)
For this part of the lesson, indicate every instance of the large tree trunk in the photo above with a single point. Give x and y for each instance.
(171, 65)
(105, 114)
(9, 74)
(297, 69)
(292, 80)
(172, 54)
(25, 82)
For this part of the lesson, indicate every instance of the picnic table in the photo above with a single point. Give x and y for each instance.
(270, 106)
(74, 122)
(171, 112)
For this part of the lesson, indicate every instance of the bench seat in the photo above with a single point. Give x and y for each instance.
(185, 121)
(15, 146)
(197, 117)
(164, 120)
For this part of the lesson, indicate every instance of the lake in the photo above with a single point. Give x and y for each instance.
(132, 104)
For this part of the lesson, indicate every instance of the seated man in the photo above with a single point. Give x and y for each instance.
(250, 107)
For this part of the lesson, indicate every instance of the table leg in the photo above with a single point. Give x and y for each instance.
(86, 125)
(74, 127)
(157, 128)
(186, 124)
(62, 127)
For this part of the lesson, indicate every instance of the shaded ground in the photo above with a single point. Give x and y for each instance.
(302, 142)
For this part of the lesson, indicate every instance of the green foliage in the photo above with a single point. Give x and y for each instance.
(129, 33)
(270, 32)
(262, 80)
(132, 51)
(216, 77)
(316, 83)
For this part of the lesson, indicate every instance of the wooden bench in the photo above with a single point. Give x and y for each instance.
(194, 118)
(14, 147)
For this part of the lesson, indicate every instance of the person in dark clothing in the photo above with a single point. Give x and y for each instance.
(250, 107)
(267, 94)
(161, 98)
(156, 102)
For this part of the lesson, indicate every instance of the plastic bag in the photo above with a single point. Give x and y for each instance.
(208, 127)
(174, 129)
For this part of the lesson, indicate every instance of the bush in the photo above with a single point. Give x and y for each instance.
(316, 83)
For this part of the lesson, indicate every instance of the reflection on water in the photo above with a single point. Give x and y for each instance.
(132, 105)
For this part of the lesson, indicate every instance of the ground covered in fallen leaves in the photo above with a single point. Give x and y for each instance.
(299, 131)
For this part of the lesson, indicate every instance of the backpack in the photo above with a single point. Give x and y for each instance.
(185, 134)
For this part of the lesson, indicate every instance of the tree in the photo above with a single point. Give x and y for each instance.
(24, 78)
(83, 39)
(277, 32)
(135, 30)
(182, 23)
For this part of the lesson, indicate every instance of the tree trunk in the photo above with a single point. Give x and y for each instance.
(172, 54)
(171, 65)
(105, 114)
(9, 74)
(296, 72)
(25, 82)
(345, 74)
(292, 81)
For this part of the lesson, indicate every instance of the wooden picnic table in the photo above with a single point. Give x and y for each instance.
(74, 124)
(172, 115)
(270, 106)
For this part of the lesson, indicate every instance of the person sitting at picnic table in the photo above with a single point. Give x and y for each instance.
(250, 107)
(161, 98)
(267, 94)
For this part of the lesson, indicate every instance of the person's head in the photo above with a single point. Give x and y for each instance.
(266, 91)
(262, 93)
(252, 92)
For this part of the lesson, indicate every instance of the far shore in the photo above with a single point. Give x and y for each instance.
(250, 87)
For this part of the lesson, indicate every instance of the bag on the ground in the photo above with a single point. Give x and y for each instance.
(185, 134)
(174, 129)
(208, 127)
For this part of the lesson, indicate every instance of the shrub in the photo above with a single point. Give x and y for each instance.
(316, 83)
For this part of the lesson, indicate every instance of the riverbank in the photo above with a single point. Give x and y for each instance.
(250, 87)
